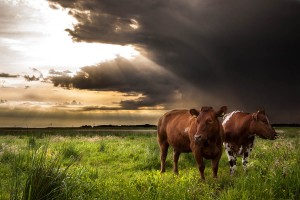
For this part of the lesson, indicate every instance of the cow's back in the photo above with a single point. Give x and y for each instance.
(233, 121)
(174, 128)
(236, 126)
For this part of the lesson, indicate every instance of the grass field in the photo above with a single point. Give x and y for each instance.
(124, 164)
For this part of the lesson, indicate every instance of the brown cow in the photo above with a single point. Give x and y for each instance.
(240, 130)
(194, 131)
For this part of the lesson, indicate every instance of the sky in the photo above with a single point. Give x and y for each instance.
(78, 62)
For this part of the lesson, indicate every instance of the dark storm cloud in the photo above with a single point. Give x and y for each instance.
(97, 108)
(154, 86)
(31, 78)
(5, 75)
(38, 77)
(78, 107)
(243, 50)
(3, 101)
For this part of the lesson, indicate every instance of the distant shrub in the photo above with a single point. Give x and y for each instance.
(102, 146)
(70, 151)
(7, 156)
(31, 142)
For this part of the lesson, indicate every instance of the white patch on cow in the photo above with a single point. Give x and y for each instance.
(240, 150)
(233, 168)
(228, 116)
(227, 149)
(230, 158)
(187, 129)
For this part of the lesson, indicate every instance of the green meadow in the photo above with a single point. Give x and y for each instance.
(124, 164)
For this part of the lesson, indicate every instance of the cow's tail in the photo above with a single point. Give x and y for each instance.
(159, 124)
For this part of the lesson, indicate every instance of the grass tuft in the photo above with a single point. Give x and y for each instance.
(32, 142)
(70, 151)
(102, 147)
(44, 177)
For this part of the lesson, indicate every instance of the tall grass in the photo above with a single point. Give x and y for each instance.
(126, 166)
(40, 174)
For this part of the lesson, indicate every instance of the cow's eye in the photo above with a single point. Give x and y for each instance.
(209, 121)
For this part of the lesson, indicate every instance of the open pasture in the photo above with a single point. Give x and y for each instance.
(124, 164)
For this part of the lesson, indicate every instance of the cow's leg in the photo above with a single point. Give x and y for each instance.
(248, 151)
(176, 158)
(246, 156)
(232, 164)
(163, 155)
(201, 164)
(231, 158)
(215, 166)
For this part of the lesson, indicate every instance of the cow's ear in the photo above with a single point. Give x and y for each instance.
(261, 111)
(254, 115)
(222, 111)
(194, 112)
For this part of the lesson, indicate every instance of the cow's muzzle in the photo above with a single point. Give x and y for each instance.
(198, 138)
(275, 135)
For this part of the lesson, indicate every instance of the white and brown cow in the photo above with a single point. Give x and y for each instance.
(240, 129)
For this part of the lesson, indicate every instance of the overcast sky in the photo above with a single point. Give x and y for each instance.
(65, 62)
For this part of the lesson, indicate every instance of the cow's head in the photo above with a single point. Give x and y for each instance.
(207, 123)
(261, 126)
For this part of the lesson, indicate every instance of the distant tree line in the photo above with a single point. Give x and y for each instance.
(113, 126)
(286, 125)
